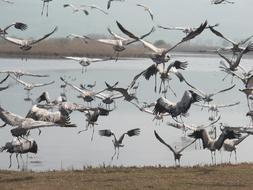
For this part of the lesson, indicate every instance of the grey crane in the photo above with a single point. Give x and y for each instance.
(163, 105)
(96, 8)
(214, 108)
(128, 96)
(109, 98)
(165, 74)
(185, 30)
(160, 55)
(230, 145)
(85, 61)
(214, 144)
(147, 109)
(19, 147)
(118, 142)
(120, 44)
(177, 153)
(248, 90)
(23, 124)
(207, 97)
(92, 115)
(60, 117)
(76, 9)
(87, 95)
(29, 86)
(236, 46)
(234, 63)
(20, 73)
(26, 44)
(216, 2)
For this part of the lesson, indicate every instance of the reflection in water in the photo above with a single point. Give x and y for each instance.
(65, 148)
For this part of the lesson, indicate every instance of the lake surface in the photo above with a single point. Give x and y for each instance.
(61, 148)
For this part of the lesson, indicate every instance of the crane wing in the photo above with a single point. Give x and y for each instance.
(11, 118)
(2, 81)
(43, 84)
(16, 41)
(44, 37)
(224, 90)
(163, 142)
(189, 36)
(217, 33)
(182, 149)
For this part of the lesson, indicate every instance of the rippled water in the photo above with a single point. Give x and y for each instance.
(64, 148)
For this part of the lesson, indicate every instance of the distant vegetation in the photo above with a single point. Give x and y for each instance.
(55, 48)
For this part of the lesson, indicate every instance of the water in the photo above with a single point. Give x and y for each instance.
(61, 148)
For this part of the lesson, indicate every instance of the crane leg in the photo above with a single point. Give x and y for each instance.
(43, 8)
(47, 8)
(92, 133)
(235, 156)
(172, 91)
(160, 87)
(155, 82)
(118, 154)
(17, 160)
(113, 154)
(10, 160)
(230, 157)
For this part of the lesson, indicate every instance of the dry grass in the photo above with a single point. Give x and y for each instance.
(208, 177)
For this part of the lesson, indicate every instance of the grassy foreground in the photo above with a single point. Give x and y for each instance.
(208, 177)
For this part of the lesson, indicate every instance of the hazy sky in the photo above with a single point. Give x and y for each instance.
(235, 20)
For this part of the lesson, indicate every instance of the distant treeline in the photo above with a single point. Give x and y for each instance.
(58, 47)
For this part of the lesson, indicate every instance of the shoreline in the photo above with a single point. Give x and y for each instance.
(174, 54)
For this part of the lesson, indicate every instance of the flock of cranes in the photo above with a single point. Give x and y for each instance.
(57, 113)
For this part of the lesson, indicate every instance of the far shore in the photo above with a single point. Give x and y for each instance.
(58, 48)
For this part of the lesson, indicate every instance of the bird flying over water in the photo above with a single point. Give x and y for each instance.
(26, 44)
(160, 55)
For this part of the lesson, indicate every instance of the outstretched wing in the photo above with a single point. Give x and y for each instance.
(43, 84)
(163, 142)
(182, 149)
(133, 132)
(228, 105)
(163, 105)
(4, 88)
(125, 31)
(224, 90)
(5, 79)
(11, 118)
(17, 25)
(105, 132)
(44, 37)
(189, 36)
(217, 33)
(116, 36)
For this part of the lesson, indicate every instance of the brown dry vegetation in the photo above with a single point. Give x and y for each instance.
(222, 177)
(55, 48)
